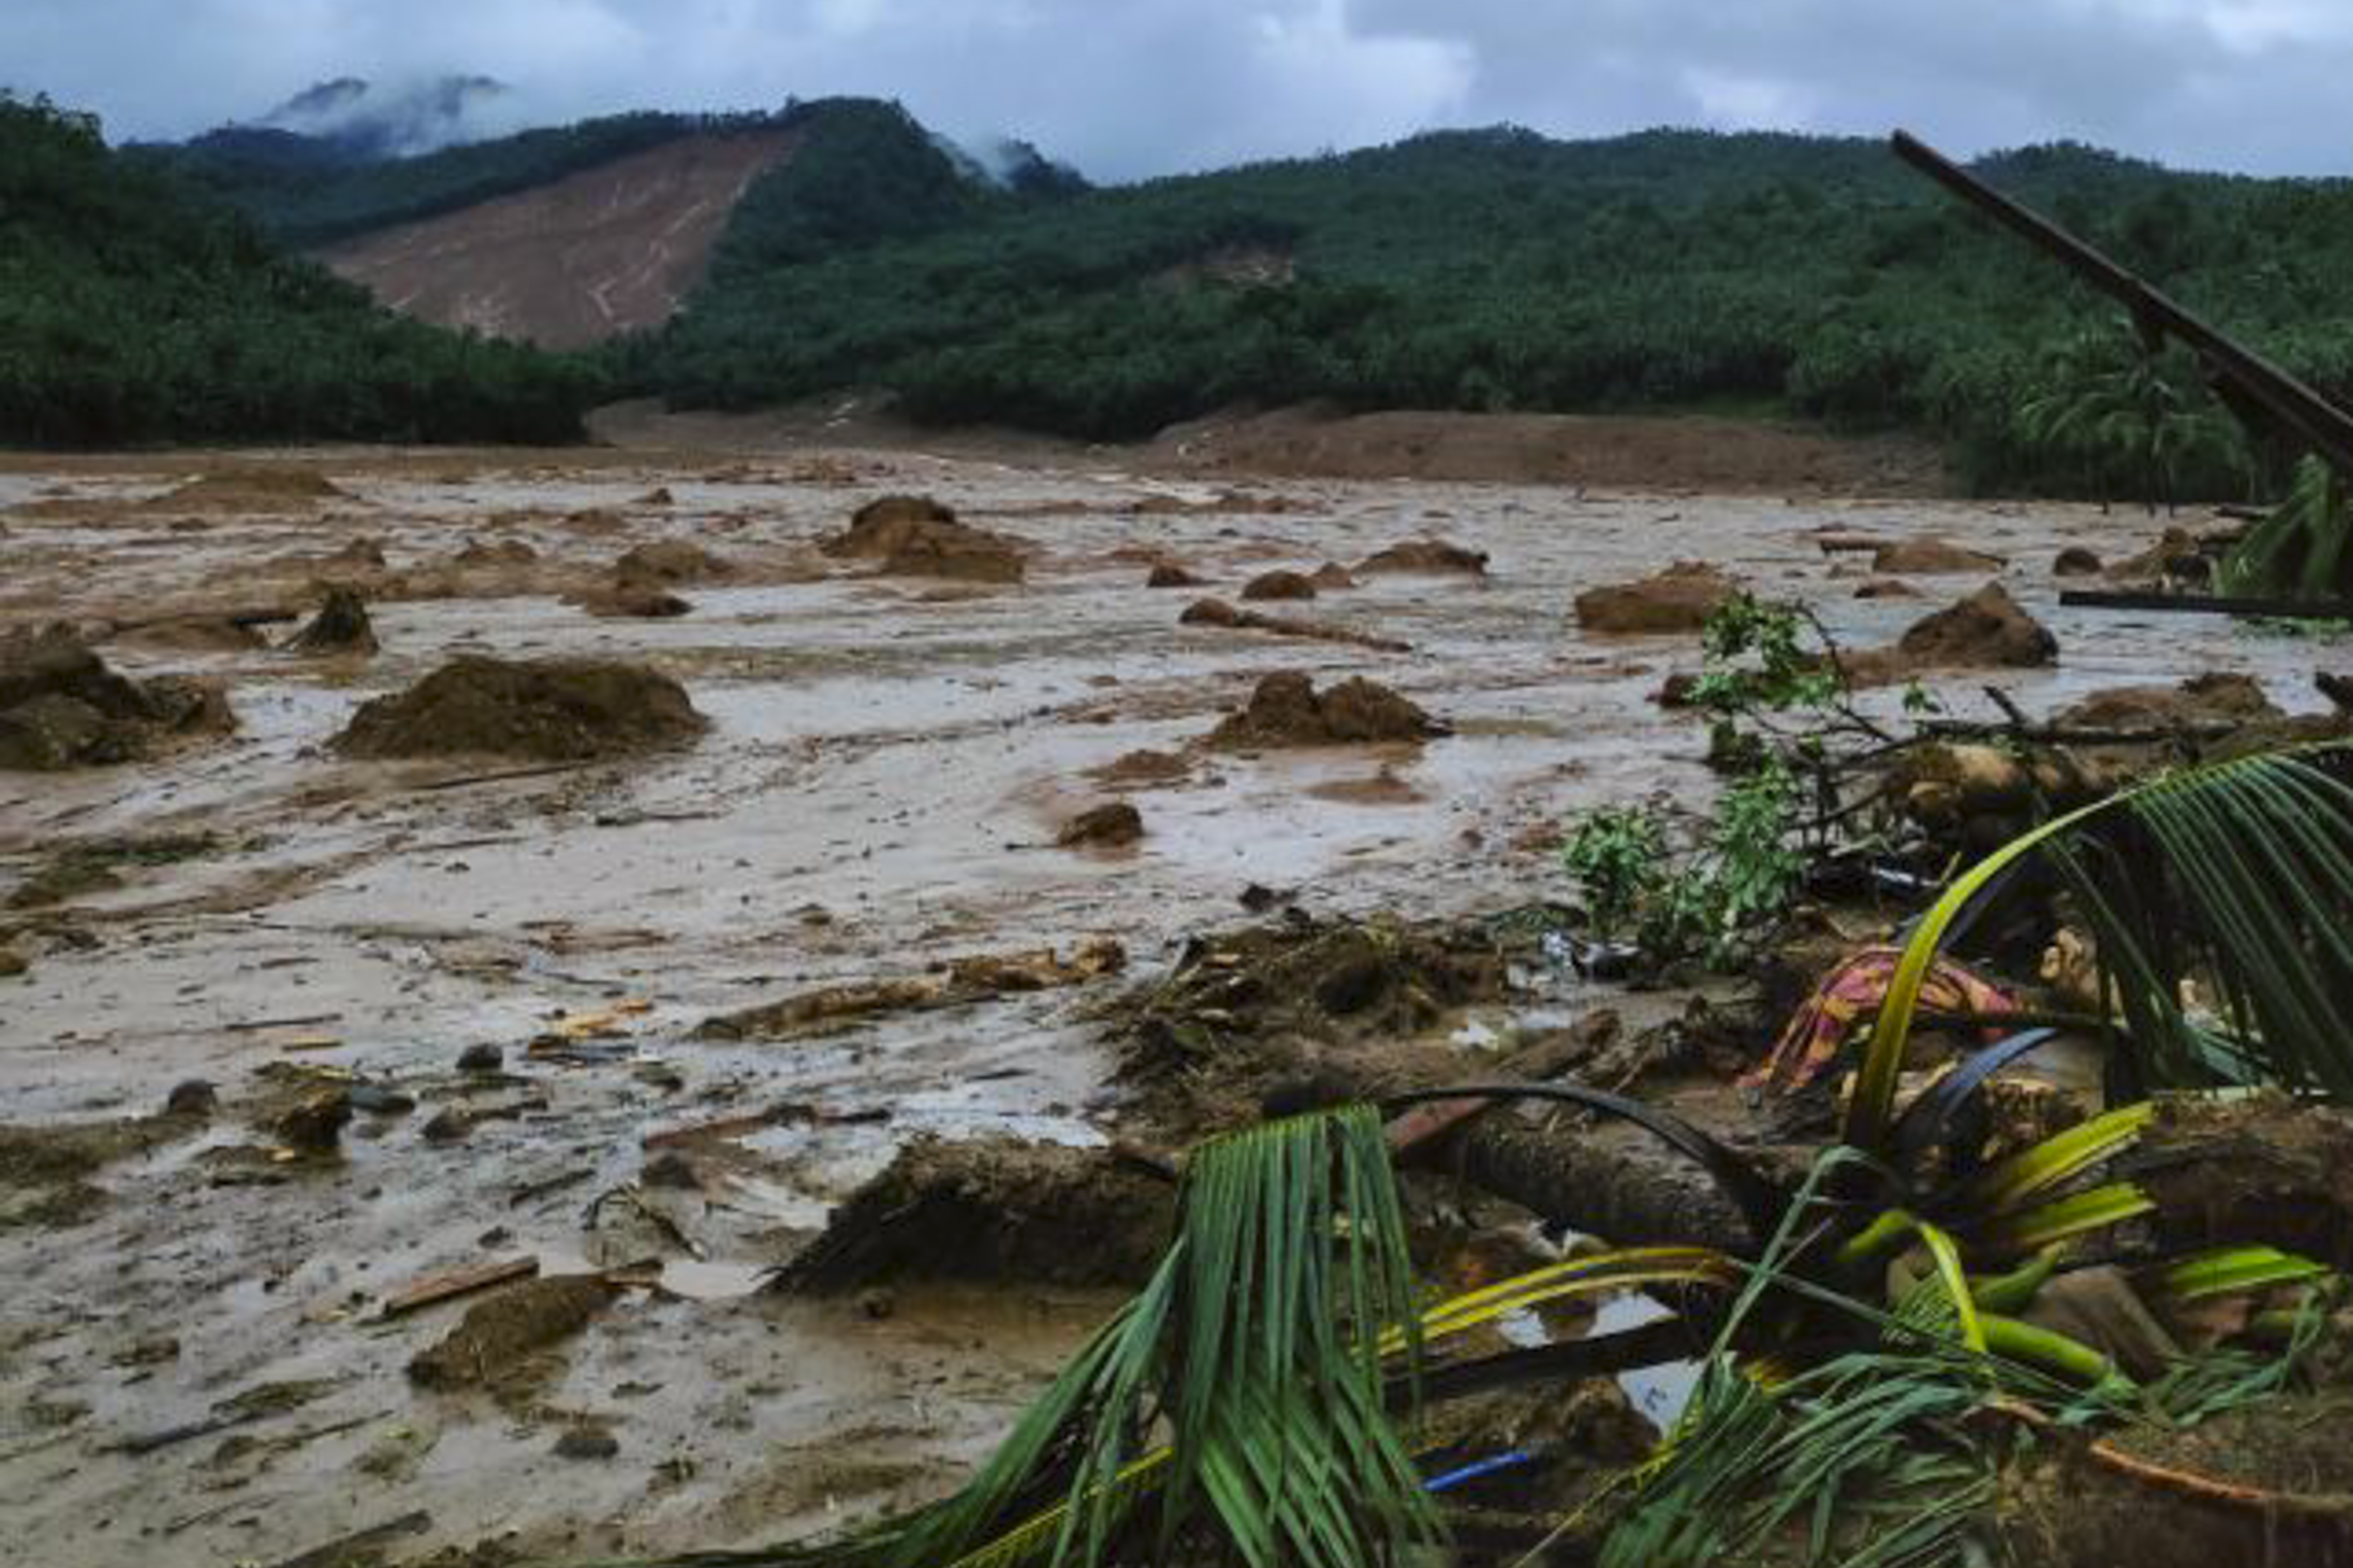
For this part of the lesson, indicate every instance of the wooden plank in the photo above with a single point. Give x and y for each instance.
(438, 1288)
(2209, 604)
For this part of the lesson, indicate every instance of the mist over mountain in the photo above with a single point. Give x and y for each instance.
(362, 119)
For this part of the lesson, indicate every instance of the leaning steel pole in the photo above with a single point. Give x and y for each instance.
(2246, 376)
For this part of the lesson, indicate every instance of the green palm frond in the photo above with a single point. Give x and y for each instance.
(2304, 550)
(2237, 876)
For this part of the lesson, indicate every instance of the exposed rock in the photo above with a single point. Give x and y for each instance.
(587, 1443)
(1427, 556)
(1287, 710)
(2076, 561)
(61, 707)
(1329, 577)
(1931, 557)
(1679, 599)
(1278, 586)
(1110, 824)
(1168, 575)
(556, 710)
(341, 627)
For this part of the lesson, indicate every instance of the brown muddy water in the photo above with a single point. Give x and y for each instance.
(889, 763)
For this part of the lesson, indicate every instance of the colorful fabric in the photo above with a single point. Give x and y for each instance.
(1852, 993)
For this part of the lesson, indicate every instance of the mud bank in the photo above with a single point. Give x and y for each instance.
(498, 966)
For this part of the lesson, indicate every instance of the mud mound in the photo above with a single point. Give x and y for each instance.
(1168, 575)
(1330, 577)
(342, 628)
(1279, 586)
(995, 1208)
(1217, 613)
(1605, 451)
(496, 552)
(2206, 700)
(633, 600)
(45, 1171)
(1287, 710)
(556, 710)
(1886, 588)
(1245, 1011)
(193, 634)
(1987, 627)
(668, 562)
(61, 707)
(884, 525)
(915, 536)
(1143, 767)
(1110, 825)
(1931, 557)
(1426, 557)
(1679, 599)
(250, 490)
(502, 1341)
(2076, 561)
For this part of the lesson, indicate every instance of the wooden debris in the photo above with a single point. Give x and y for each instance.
(434, 1288)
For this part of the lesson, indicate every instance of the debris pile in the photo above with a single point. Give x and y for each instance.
(61, 707)
(342, 628)
(961, 981)
(992, 1209)
(1287, 710)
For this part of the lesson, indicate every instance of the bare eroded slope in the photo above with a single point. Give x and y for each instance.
(604, 251)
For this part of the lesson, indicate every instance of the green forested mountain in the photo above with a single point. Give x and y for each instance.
(133, 310)
(1500, 269)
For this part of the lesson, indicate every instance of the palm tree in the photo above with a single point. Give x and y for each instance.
(2123, 413)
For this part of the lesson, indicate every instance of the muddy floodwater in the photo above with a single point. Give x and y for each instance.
(195, 1363)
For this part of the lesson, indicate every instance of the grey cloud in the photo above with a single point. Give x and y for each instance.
(1131, 88)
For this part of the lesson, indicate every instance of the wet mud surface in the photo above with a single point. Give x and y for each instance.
(453, 1008)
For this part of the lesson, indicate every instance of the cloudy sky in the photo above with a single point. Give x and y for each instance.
(1130, 88)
